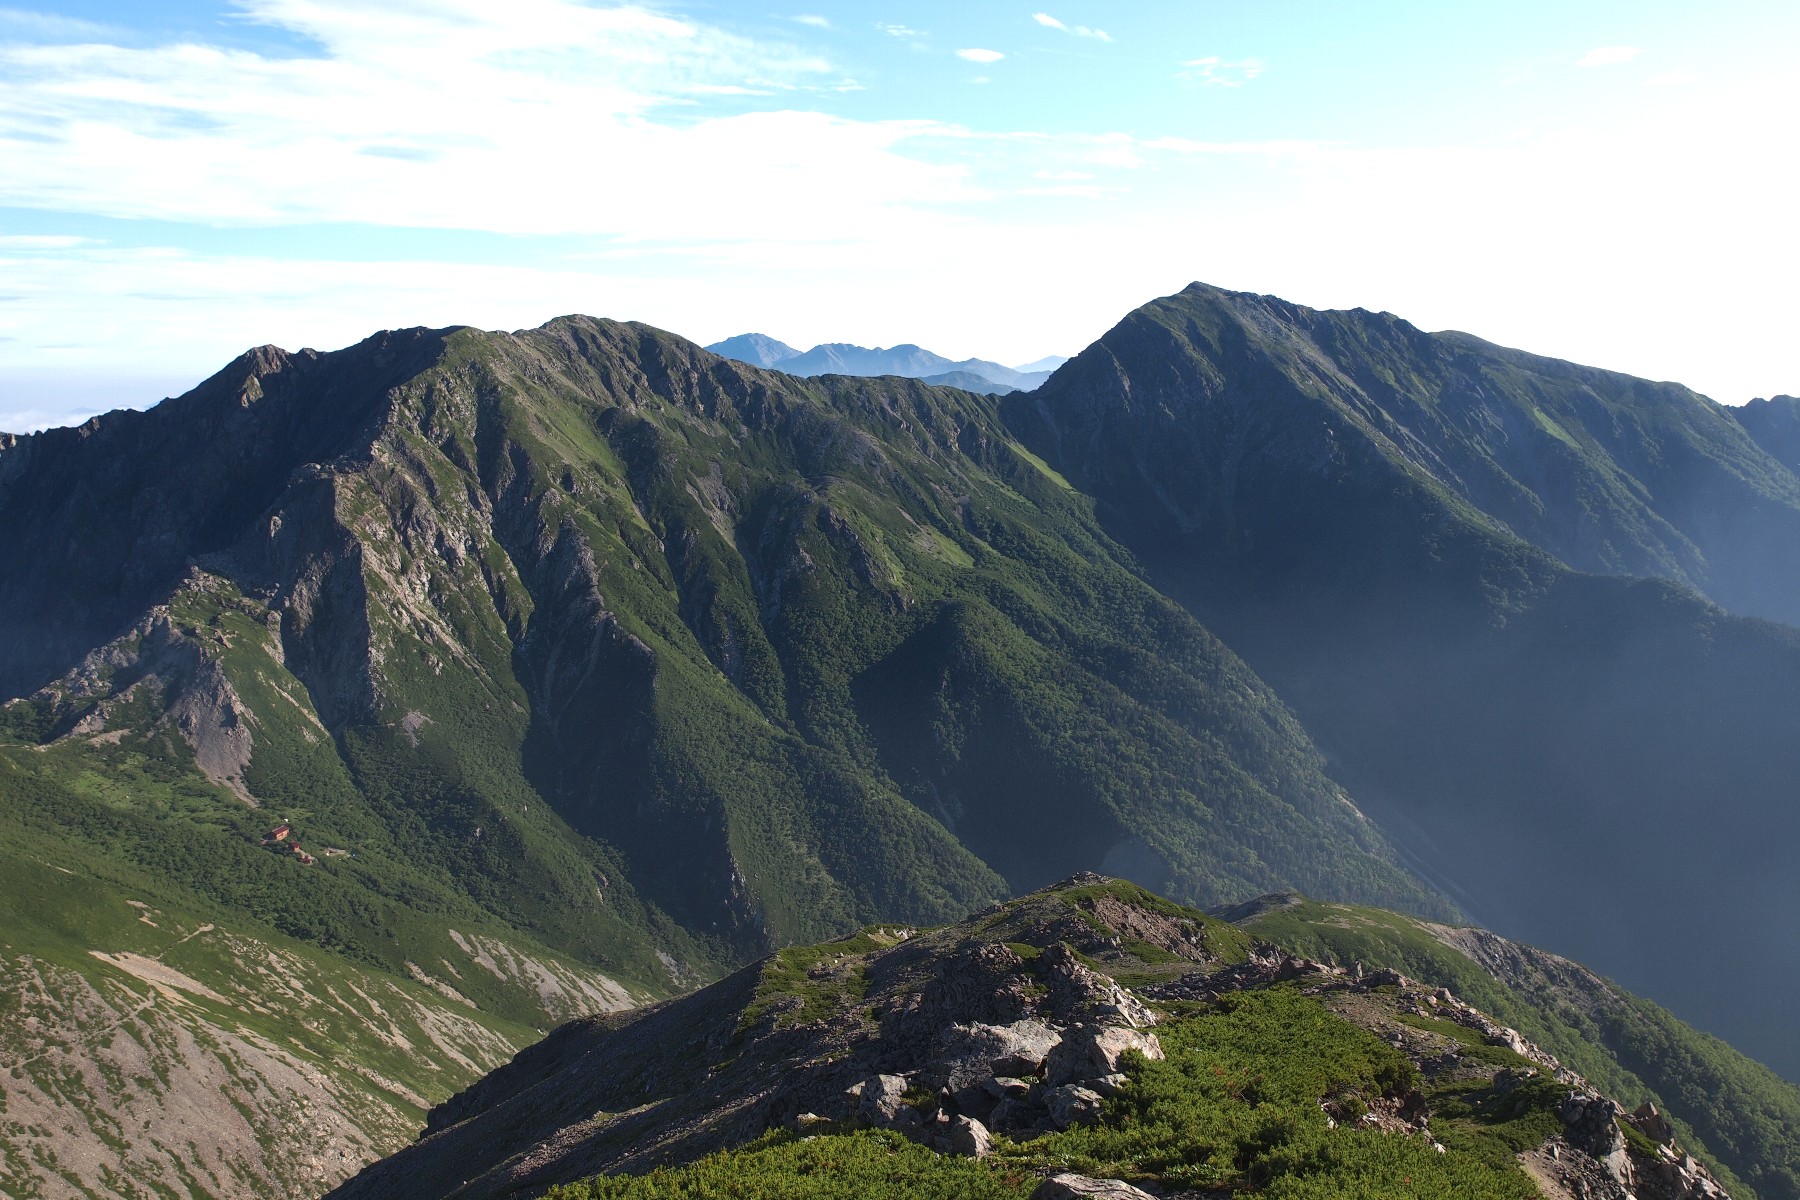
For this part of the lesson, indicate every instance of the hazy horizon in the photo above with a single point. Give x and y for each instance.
(188, 178)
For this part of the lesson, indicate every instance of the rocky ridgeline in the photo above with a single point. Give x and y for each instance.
(1055, 1070)
(1008, 1024)
(1593, 1158)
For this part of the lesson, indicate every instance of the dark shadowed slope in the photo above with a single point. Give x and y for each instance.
(1376, 519)
(1775, 426)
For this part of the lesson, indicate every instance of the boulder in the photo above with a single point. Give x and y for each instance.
(1593, 1128)
(1080, 1187)
(1652, 1124)
(1093, 1051)
(1510, 1038)
(880, 1099)
(1073, 1104)
(969, 1137)
(964, 1055)
(1003, 1087)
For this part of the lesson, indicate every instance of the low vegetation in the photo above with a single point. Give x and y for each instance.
(1235, 1105)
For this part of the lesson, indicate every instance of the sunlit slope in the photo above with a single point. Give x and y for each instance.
(1416, 1059)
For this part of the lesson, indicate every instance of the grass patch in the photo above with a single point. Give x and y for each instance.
(860, 1166)
(809, 983)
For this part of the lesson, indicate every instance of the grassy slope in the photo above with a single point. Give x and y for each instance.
(158, 1037)
(1733, 1109)
(849, 604)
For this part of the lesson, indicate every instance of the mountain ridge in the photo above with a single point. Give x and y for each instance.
(622, 661)
(1473, 690)
(612, 659)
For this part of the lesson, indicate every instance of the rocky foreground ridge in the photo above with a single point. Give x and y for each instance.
(991, 1038)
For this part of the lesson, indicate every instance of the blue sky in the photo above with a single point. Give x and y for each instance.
(1608, 182)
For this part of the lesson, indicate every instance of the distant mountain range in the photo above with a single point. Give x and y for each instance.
(908, 361)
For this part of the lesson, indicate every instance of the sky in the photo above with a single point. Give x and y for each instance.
(180, 180)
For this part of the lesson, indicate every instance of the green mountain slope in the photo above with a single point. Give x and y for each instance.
(609, 662)
(1634, 1050)
(1593, 762)
(160, 1043)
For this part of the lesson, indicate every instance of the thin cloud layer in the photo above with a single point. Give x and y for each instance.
(1213, 71)
(1050, 22)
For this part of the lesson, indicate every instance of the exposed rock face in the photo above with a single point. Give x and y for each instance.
(179, 671)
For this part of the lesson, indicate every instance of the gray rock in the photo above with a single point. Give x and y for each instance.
(1593, 1128)
(1111, 1085)
(967, 1054)
(879, 1099)
(1094, 1050)
(969, 1137)
(1073, 1104)
(1080, 1187)
(1652, 1124)
(1003, 1087)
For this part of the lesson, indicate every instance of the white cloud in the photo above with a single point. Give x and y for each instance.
(1213, 71)
(978, 55)
(899, 31)
(813, 19)
(1608, 56)
(538, 116)
(1050, 22)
